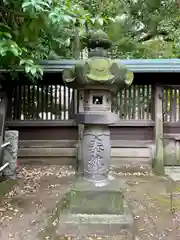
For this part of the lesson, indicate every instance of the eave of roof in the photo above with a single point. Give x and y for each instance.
(134, 65)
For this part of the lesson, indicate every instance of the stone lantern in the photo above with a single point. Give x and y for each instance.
(96, 203)
(98, 77)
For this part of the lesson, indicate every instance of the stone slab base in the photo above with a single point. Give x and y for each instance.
(80, 225)
(87, 198)
(92, 210)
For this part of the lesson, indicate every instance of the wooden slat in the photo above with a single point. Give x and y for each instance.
(134, 101)
(60, 103)
(34, 109)
(166, 105)
(151, 107)
(18, 116)
(56, 106)
(37, 102)
(74, 105)
(14, 104)
(28, 102)
(121, 112)
(42, 102)
(178, 105)
(51, 100)
(46, 101)
(24, 103)
(64, 102)
(69, 103)
(175, 105)
(139, 102)
(145, 102)
(171, 104)
(125, 104)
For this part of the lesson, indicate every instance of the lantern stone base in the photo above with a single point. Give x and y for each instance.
(90, 210)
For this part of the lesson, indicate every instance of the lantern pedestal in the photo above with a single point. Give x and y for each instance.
(95, 210)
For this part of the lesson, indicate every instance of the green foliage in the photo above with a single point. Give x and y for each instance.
(40, 29)
(146, 29)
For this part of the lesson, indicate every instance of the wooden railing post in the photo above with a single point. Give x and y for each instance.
(158, 162)
(9, 105)
(79, 163)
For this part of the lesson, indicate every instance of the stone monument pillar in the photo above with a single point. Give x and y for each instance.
(11, 153)
(96, 205)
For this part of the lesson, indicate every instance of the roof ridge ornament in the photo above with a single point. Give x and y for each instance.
(99, 39)
(98, 70)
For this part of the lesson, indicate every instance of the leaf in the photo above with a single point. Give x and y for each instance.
(33, 70)
(93, 20)
(26, 61)
(100, 21)
(5, 27)
(35, 5)
(8, 35)
(15, 50)
(27, 68)
(5, 35)
(67, 18)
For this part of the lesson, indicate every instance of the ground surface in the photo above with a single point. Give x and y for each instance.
(25, 209)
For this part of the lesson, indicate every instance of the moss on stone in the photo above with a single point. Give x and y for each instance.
(158, 162)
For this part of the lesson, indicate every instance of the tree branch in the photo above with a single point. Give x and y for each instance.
(149, 36)
(7, 10)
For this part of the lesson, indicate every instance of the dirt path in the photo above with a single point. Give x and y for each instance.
(151, 205)
(25, 210)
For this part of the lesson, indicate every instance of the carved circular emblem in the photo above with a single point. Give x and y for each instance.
(100, 66)
(98, 69)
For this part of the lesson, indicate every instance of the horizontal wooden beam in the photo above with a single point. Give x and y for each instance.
(73, 143)
(133, 123)
(58, 123)
(172, 124)
(72, 152)
(134, 65)
(40, 123)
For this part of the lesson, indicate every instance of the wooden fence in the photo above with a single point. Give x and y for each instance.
(55, 102)
(171, 106)
(42, 102)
